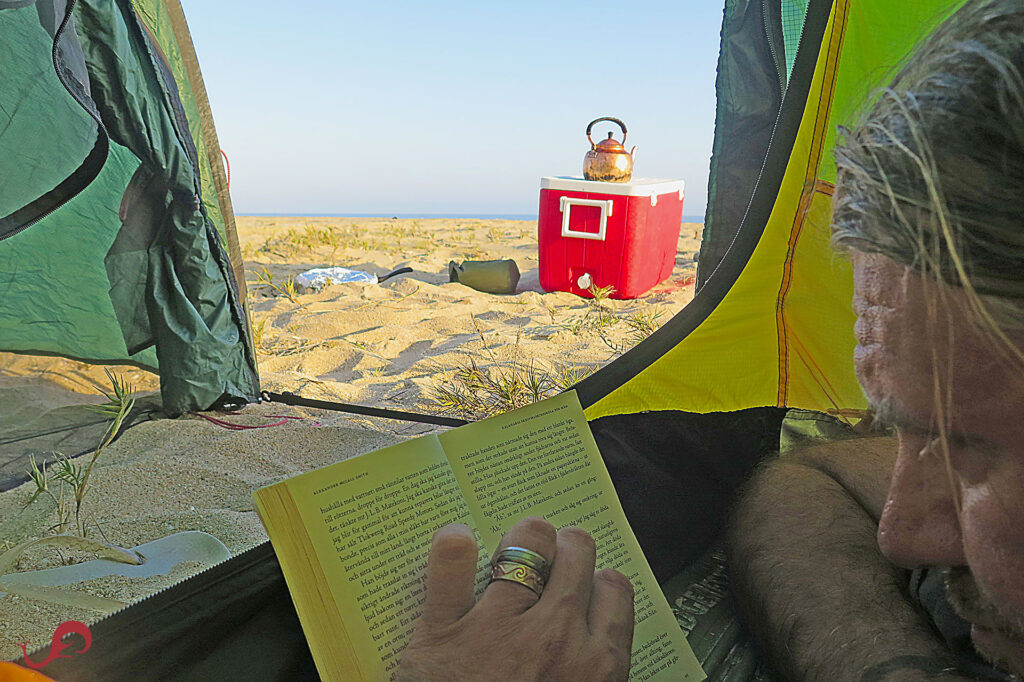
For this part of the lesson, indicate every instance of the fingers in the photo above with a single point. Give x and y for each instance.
(611, 609)
(572, 575)
(451, 572)
(532, 533)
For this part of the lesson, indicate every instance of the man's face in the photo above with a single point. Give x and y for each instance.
(956, 500)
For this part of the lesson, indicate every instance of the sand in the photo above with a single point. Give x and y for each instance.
(391, 344)
(398, 344)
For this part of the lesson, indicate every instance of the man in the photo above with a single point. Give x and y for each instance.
(930, 203)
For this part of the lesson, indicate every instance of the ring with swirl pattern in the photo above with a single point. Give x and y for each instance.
(519, 573)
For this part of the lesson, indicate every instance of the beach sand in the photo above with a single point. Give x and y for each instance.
(399, 344)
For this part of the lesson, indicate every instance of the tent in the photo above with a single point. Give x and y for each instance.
(117, 239)
(680, 419)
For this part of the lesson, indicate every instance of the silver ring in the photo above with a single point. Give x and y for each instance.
(526, 557)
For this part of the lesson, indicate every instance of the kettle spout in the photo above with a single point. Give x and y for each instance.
(632, 152)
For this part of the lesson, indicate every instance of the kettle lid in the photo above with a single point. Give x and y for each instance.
(610, 144)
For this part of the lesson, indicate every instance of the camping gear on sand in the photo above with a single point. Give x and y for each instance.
(318, 278)
(608, 160)
(622, 235)
(488, 276)
(680, 419)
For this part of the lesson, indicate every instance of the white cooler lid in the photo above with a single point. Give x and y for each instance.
(637, 187)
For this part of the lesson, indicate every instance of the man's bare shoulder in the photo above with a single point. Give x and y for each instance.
(863, 466)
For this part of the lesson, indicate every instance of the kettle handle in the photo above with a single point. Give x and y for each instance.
(606, 118)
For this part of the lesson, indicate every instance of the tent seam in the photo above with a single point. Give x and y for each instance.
(810, 186)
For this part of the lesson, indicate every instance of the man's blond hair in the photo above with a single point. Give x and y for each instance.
(933, 176)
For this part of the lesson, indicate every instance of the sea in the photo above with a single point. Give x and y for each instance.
(427, 216)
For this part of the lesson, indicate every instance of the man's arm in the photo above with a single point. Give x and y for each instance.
(809, 579)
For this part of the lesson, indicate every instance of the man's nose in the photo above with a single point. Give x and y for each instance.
(920, 525)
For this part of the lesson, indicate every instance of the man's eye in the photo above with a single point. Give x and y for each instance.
(967, 459)
(944, 449)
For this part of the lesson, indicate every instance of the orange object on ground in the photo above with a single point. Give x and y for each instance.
(12, 672)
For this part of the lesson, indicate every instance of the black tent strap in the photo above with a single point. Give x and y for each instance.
(289, 398)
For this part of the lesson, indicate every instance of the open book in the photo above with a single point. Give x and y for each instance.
(353, 537)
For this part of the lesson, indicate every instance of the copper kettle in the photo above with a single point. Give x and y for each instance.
(608, 160)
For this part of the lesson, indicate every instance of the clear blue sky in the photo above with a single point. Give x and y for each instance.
(448, 106)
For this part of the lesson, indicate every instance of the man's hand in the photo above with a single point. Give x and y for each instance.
(580, 628)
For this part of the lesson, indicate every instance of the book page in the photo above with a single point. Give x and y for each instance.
(370, 520)
(541, 460)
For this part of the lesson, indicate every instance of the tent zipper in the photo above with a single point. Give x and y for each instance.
(771, 138)
(778, 116)
(94, 623)
(771, 47)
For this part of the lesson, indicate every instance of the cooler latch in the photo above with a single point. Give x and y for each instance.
(565, 205)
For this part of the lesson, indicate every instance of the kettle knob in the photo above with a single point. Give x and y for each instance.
(590, 127)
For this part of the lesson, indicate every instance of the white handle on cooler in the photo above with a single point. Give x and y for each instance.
(565, 205)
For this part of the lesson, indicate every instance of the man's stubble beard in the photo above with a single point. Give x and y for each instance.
(972, 606)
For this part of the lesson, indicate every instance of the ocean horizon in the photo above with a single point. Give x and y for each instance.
(427, 216)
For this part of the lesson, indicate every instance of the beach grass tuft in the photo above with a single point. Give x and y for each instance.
(281, 343)
(72, 478)
(473, 391)
(286, 288)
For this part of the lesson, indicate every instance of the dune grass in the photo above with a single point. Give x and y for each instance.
(474, 391)
(66, 481)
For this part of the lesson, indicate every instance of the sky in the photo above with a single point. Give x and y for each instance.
(450, 107)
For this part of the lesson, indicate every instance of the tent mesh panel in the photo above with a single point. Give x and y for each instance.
(794, 12)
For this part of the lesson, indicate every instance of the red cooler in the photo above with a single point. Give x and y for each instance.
(599, 234)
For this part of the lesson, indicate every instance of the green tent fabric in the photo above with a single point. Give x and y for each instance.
(750, 85)
(759, 46)
(114, 239)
